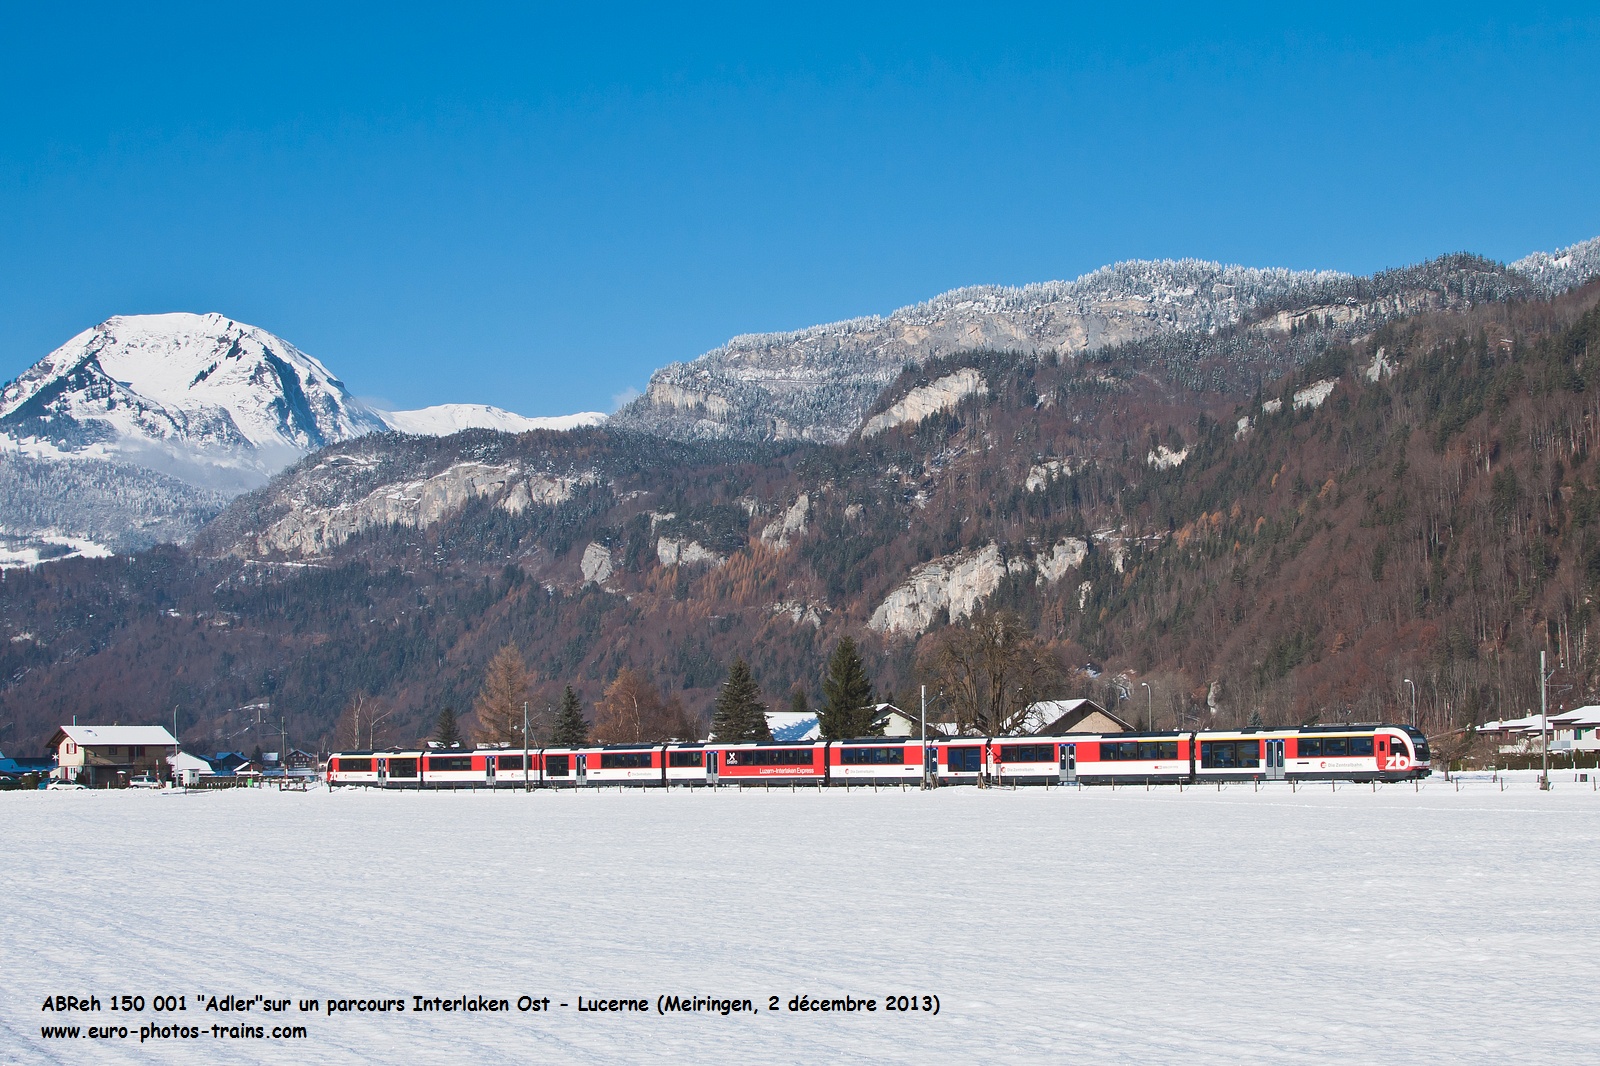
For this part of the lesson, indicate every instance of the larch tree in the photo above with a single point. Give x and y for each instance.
(500, 702)
(740, 715)
(570, 731)
(847, 709)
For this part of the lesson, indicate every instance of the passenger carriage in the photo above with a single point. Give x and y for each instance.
(355, 768)
(767, 762)
(686, 764)
(1153, 758)
(457, 768)
(625, 764)
(874, 761)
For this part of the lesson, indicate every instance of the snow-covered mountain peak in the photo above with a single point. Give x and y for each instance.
(444, 419)
(210, 399)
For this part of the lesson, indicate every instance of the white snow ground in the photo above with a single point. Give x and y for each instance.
(1317, 926)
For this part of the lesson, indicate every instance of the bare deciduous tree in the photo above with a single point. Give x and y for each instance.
(990, 669)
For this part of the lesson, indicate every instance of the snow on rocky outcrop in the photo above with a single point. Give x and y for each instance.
(1380, 367)
(1040, 474)
(954, 583)
(320, 515)
(919, 403)
(1312, 396)
(791, 526)
(1164, 458)
(1064, 558)
(799, 613)
(596, 564)
(444, 419)
(675, 551)
(959, 583)
(310, 530)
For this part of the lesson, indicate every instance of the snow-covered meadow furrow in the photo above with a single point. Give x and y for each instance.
(1318, 925)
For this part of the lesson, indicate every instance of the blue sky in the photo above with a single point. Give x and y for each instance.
(536, 208)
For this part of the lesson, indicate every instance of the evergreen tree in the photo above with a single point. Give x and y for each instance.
(445, 731)
(571, 731)
(798, 704)
(847, 710)
(740, 715)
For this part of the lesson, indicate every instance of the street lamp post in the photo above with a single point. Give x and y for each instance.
(1150, 706)
(1413, 685)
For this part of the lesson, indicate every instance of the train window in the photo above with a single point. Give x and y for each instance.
(449, 762)
(355, 766)
(624, 760)
(1310, 747)
(557, 765)
(402, 768)
(870, 756)
(1229, 754)
(1335, 747)
(686, 758)
(1028, 753)
(1150, 750)
(964, 760)
(1361, 746)
(772, 757)
(509, 762)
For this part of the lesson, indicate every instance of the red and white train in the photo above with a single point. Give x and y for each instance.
(1318, 753)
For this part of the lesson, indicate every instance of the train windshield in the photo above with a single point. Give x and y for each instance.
(1419, 742)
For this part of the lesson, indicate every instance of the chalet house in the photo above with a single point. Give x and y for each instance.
(1054, 718)
(109, 756)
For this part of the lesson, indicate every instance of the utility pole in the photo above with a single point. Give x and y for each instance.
(924, 736)
(1150, 706)
(526, 787)
(1413, 685)
(1544, 729)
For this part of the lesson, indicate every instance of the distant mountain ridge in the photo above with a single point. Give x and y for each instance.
(819, 383)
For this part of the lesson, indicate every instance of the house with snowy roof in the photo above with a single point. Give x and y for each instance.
(794, 726)
(109, 756)
(1054, 718)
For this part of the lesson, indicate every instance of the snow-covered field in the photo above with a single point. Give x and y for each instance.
(1447, 924)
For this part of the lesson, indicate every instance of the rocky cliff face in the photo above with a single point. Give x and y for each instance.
(816, 383)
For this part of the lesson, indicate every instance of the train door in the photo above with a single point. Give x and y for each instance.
(1274, 766)
(383, 771)
(583, 767)
(489, 767)
(1069, 764)
(930, 762)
